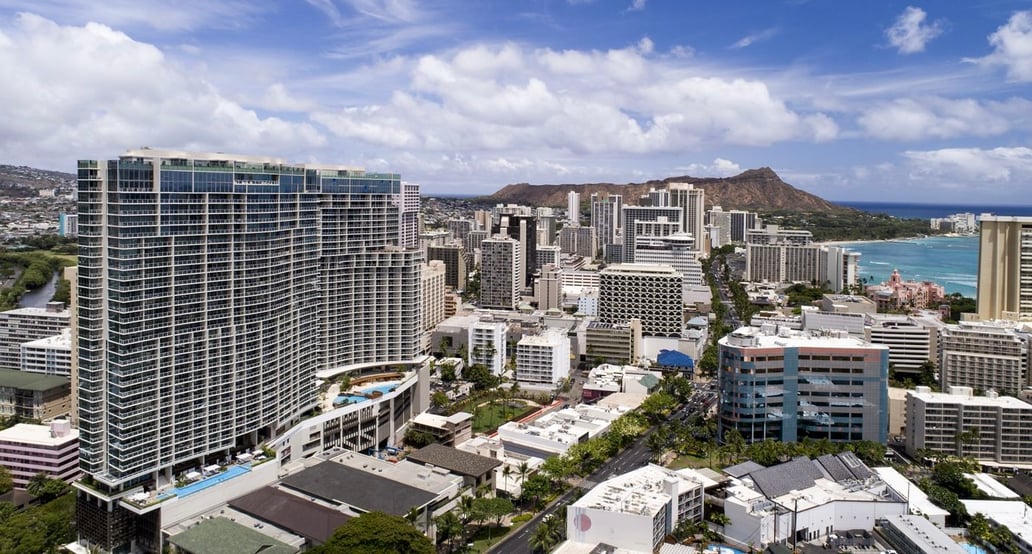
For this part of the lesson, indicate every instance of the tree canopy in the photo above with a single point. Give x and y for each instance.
(376, 533)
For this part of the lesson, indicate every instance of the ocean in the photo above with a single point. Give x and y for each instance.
(950, 261)
(928, 211)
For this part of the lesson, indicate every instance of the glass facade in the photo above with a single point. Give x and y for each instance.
(211, 291)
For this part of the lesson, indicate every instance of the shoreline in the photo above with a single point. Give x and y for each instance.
(900, 239)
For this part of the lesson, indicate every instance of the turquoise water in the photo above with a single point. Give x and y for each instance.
(354, 399)
(197, 486)
(950, 261)
(973, 549)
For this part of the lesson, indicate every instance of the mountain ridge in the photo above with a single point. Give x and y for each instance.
(758, 189)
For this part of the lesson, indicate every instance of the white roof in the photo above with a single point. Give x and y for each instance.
(917, 499)
(27, 433)
(640, 491)
(970, 400)
(1013, 514)
(56, 342)
(987, 484)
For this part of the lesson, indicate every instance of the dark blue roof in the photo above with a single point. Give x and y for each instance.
(673, 358)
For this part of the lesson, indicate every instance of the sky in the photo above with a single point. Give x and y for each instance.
(850, 100)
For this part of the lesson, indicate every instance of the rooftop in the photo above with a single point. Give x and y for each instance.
(27, 433)
(39, 312)
(454, 460)
(23, 380)
(965, 395)
(365, 491)
(291, 512)
(63, 341)
(222, 536)
(916, 498)
(642, 491)
(769, 336)
(1012, 514)
(928, 538)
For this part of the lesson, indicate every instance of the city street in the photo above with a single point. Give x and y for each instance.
(633, 456)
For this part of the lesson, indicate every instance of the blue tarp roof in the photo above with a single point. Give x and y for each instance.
(673, 358)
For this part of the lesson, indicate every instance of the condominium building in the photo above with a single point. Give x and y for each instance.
(211, 289)
(992, 429)
(677, 251)
(456, 263)
(655, 197)
(500, 273)
(911, 341)
(636, 510)
(773, 234)
(68, 225)
(28, 449)
(606, 219)
(473, 240)
(650, 293)
(787, 262)
(662, 226)
(543, 359)
(573, 207)
(786, 385)
(578, 241)
(985, 355)
(669, 220)
(1005, 268)
(433, 290)
(581, 278)
(692, 202)
(26, 324)
(547, 289)
(50, 355)
(547, 227)
(408, 203)
(459, 229)
(544, 255)
(520, 225)
(487, 344)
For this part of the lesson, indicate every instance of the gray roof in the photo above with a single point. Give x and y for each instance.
(855, 466)
(454, 460)
(742, 469)
(837, 471)
(291, 512)
(796, 474)
(25, 380)
(365, 491)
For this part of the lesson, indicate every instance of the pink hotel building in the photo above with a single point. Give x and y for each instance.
(53, 450)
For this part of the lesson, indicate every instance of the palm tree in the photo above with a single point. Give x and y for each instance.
(506, 473)
(448, 527)
(36, 484)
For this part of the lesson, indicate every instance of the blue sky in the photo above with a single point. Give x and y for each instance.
(850, 100)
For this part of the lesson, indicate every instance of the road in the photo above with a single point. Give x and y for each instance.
(631, 457)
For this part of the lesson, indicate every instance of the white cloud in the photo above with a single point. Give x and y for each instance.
(161, 15)
(1012, 47)
(624, 101)
(910, 34)
(92, 91)
(719, 168)
(942, 118)
(636, 5)
(761, 36)
(975, 167)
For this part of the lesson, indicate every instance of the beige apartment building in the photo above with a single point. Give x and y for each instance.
(1005, 268)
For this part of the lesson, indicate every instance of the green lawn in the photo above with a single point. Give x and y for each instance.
(688, 460)
(488, 417)
(487, 536)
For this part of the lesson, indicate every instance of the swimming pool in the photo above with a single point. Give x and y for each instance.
(197, 486)
(973, 549)
(355, 399)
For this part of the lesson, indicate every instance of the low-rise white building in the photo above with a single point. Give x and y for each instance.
(1009, 514)
(637, 509)
(554, 432)
(918, 502)
(805, 500)
(607, 379)
(543, 359)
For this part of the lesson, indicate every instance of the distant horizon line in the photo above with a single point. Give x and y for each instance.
(854, 202)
